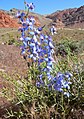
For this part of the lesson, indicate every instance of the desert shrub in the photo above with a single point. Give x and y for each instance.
(65, 46)
(11, 41)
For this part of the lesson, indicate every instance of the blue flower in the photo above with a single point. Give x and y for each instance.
(18, 14)
(21, 38)
(32, 33)
(35, 38)
(53, 30)
(34, 58)
(36, 31)
(25, 44)
(58, 87)
(49, 63)
(22, 14)
(40, 61)
(40, 29)
(32, 20)
(54, 79)
(46, 59)
(49, 68)
(49, 86)
(30, 56)
(27, 21)
(67, 94)
(41, 37)
(40, 76)
(21, 29)
(38, 84)
(30, 6)
(27, 39)
(49, 76)
(45, 41)
(32, 44)
(23, 52)
(46, 36)
(65, 84)
(49, 38)
(51, 45)
(68, 75)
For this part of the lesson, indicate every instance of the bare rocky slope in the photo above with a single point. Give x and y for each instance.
(72, 18)
(68, 18)
(7, 19)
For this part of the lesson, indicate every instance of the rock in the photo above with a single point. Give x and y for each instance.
(68, 18)
(7, 22)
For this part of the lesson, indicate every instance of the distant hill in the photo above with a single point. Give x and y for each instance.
(68, 18)
(7, 19)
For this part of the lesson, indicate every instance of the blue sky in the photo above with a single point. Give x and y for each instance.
(42, 6)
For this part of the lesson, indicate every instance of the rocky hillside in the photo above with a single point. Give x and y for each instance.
(7, 19)
(40, 19)
(68, 18)
(73, 18)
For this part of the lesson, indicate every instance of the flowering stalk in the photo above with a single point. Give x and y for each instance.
(39, 48)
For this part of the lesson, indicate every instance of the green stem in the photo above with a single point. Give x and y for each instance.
(63, 106)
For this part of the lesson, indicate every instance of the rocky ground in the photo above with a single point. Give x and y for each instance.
(7, 21)
(12, 64)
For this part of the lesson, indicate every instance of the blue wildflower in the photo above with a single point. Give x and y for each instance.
(27, 39)
(57, 87)
(25, 44)
(30, 6)
(40, 49)
(67, 94)
(68, 75)
(23, 52)
(53, 30)
(38, 84)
